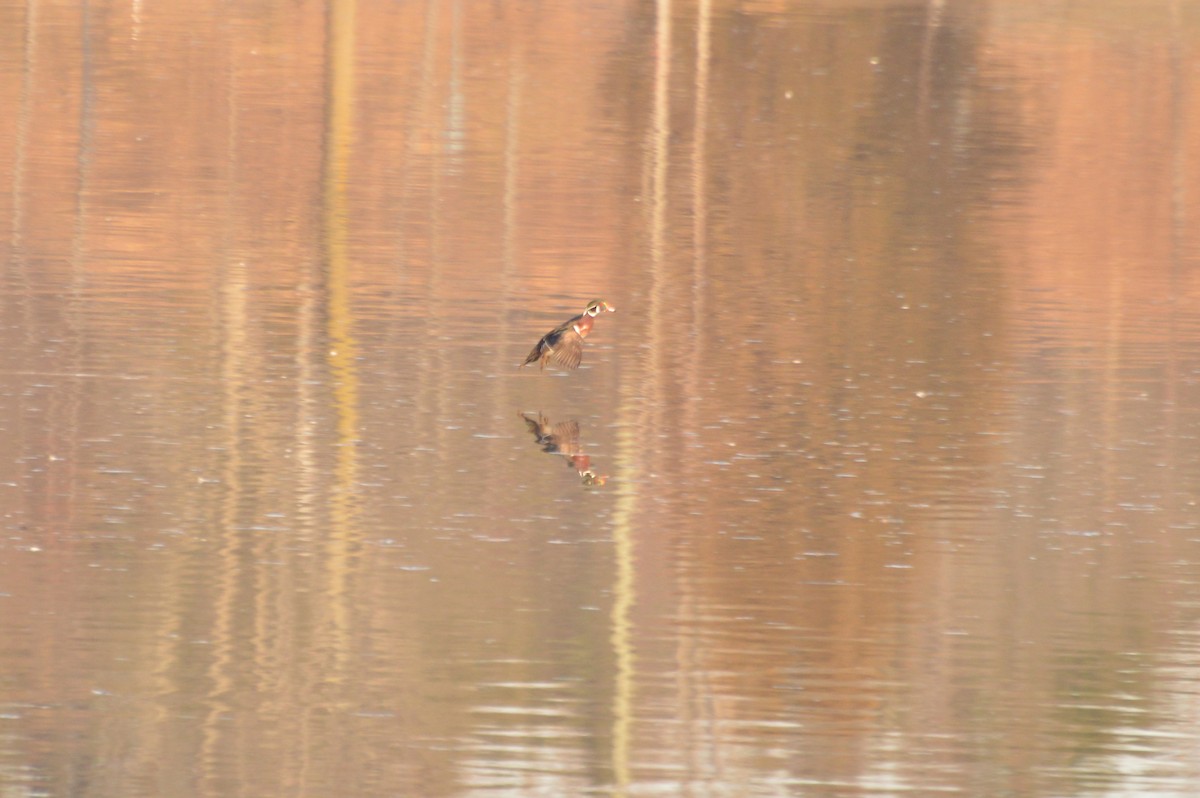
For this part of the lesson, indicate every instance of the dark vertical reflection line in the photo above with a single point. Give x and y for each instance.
(17, 259)
(70, 398)
(1179, 225)
(24, 112)
(76, 318)
(699, 206)
(700, 140)
(933, 23)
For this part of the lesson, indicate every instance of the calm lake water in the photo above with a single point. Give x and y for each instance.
(882, 480)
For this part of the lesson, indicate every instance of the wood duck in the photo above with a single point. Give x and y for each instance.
(563, 346)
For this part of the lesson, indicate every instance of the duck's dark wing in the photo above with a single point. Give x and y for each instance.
(566, 349)
(562, 346)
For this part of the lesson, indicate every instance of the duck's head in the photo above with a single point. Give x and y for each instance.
(596, 306)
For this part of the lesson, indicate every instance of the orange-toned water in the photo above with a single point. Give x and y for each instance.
(894, 442)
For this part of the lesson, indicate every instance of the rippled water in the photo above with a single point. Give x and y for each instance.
(882, 479)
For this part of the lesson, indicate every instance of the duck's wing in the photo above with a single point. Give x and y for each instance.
(567, 349)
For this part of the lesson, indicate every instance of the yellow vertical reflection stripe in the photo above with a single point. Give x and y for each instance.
(660, 130)
(342, 346)
(634, 421)
(234, 368)
(623, 599)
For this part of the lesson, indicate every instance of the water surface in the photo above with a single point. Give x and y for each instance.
(882, 479)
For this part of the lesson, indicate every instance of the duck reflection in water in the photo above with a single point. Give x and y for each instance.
(563, 439)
